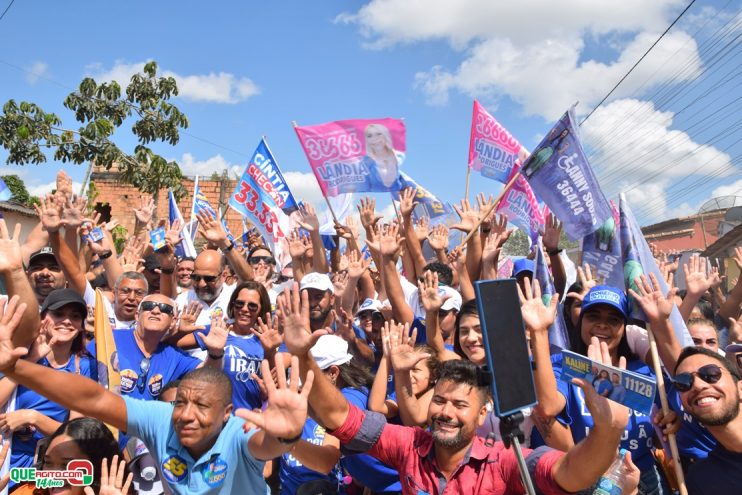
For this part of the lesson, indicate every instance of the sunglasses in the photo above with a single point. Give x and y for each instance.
(150, 305)
(710, 374)
(209, 279)
(241, 304)
(143, 372)
(268, 260)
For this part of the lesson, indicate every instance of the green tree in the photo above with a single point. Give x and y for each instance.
(26, 130)
(517, 244)
(18, 190)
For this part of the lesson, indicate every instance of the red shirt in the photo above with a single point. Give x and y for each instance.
(484, 470)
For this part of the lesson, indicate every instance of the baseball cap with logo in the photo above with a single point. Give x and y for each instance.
(45, 252)
(318, 281)
(330, 350)
(369, 305)
(607, 295)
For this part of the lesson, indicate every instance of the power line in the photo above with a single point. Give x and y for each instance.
(638, 61)
(6, 9)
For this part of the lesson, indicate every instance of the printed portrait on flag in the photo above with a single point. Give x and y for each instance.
(362, 155)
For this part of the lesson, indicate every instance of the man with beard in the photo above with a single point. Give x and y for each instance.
(44, 273)
(710, 390)
(451, 457)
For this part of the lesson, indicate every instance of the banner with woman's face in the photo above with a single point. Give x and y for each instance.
(362, 155)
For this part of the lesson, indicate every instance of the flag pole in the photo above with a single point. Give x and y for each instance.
(329, 206)
(466, 187)
(491, 208)
(671, 438)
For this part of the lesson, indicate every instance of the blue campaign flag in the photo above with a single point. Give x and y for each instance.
(201, 202)
(5, 193)
(638, 260)
(263, 171)
(558, 338)
(602, 250)
(185, 247)
(561, 177)
(428, 204)
(226, 229)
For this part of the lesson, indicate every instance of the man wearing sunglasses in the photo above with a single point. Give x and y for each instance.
(710, 390)
(146, 362)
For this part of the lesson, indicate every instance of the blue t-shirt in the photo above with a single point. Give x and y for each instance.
(638, 437)
(563, 388)
(167, 363)
(242, 357)
(603, 387)
(293, 473)
(367, 470)
(24, 442)
(694, 440)
(227, 467)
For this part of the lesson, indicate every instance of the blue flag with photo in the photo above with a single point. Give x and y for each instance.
(558, 338)
(5, 193)
(560, 175)
(638, 260)
(201, 202)
(602, 251)
(428, 205)
(185, 247)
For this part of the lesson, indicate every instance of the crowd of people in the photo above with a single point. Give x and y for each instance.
(348, 370)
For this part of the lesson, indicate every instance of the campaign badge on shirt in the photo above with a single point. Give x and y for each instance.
(128, 380)
(218, 313)
(319, 432)
(174, 469)
(216, 472)
(155, 385)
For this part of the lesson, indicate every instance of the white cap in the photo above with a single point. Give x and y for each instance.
(318, 281)
(370, 305)
(330, 350)
(452, 298)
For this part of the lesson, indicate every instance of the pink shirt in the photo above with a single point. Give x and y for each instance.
(484, 470)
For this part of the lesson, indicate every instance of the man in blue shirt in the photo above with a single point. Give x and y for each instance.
(197, 442)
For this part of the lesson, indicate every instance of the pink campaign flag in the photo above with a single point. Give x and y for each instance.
(520, 205)
(362, 155)
(493, 151)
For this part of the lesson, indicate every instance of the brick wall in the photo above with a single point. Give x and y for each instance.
(119, 200)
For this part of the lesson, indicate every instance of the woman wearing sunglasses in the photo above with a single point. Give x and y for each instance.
(60, 345)
(711, 391)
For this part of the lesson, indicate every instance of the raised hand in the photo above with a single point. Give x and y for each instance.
(173, 232)
(344, 326)
(11, 258)
(112, 482)
(484, 203)
(216, 339)
(403, 355)
(373, 239)
(73, 212)
(735, 330)
(367, 210)
(64, 187)
(468, 217)
(407, 201)
(145, 211)
(605, 413)
(428, 290)
(457, 259)
(11, 317)
(491, 249)
(211, 228)
(697, 277)
(307, 218)
(422, 228)
(537, 316)
(294, 311)
(44, 342)
(656, 305)
(585, 277)
(438, 237)
(357, 265)
(131, 257)
(50, 214)
(188, 316)
(286, 412)
(340, 283)
(268, 333)
(297, 248)
(552, 233)
(391, 241)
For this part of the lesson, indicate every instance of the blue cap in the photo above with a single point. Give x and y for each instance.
(523, 265)
(605, 294)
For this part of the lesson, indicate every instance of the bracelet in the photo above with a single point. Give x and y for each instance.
(105, 255)
(167, 271)
(215, 358)
(554, 251)
(230, 247)
(288, 441)
(485, 231)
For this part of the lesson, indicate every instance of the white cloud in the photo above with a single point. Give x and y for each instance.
(213, 87)
(733, 189)
(190, 166)
(304, 187)
(35, 71)
(42, 189)
(635, 150)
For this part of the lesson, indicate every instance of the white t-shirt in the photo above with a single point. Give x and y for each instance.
(116, 324)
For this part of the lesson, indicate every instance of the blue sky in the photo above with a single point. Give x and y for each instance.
(248, 69)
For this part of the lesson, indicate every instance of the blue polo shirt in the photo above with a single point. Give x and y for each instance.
(228, 467)
(166, 364)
